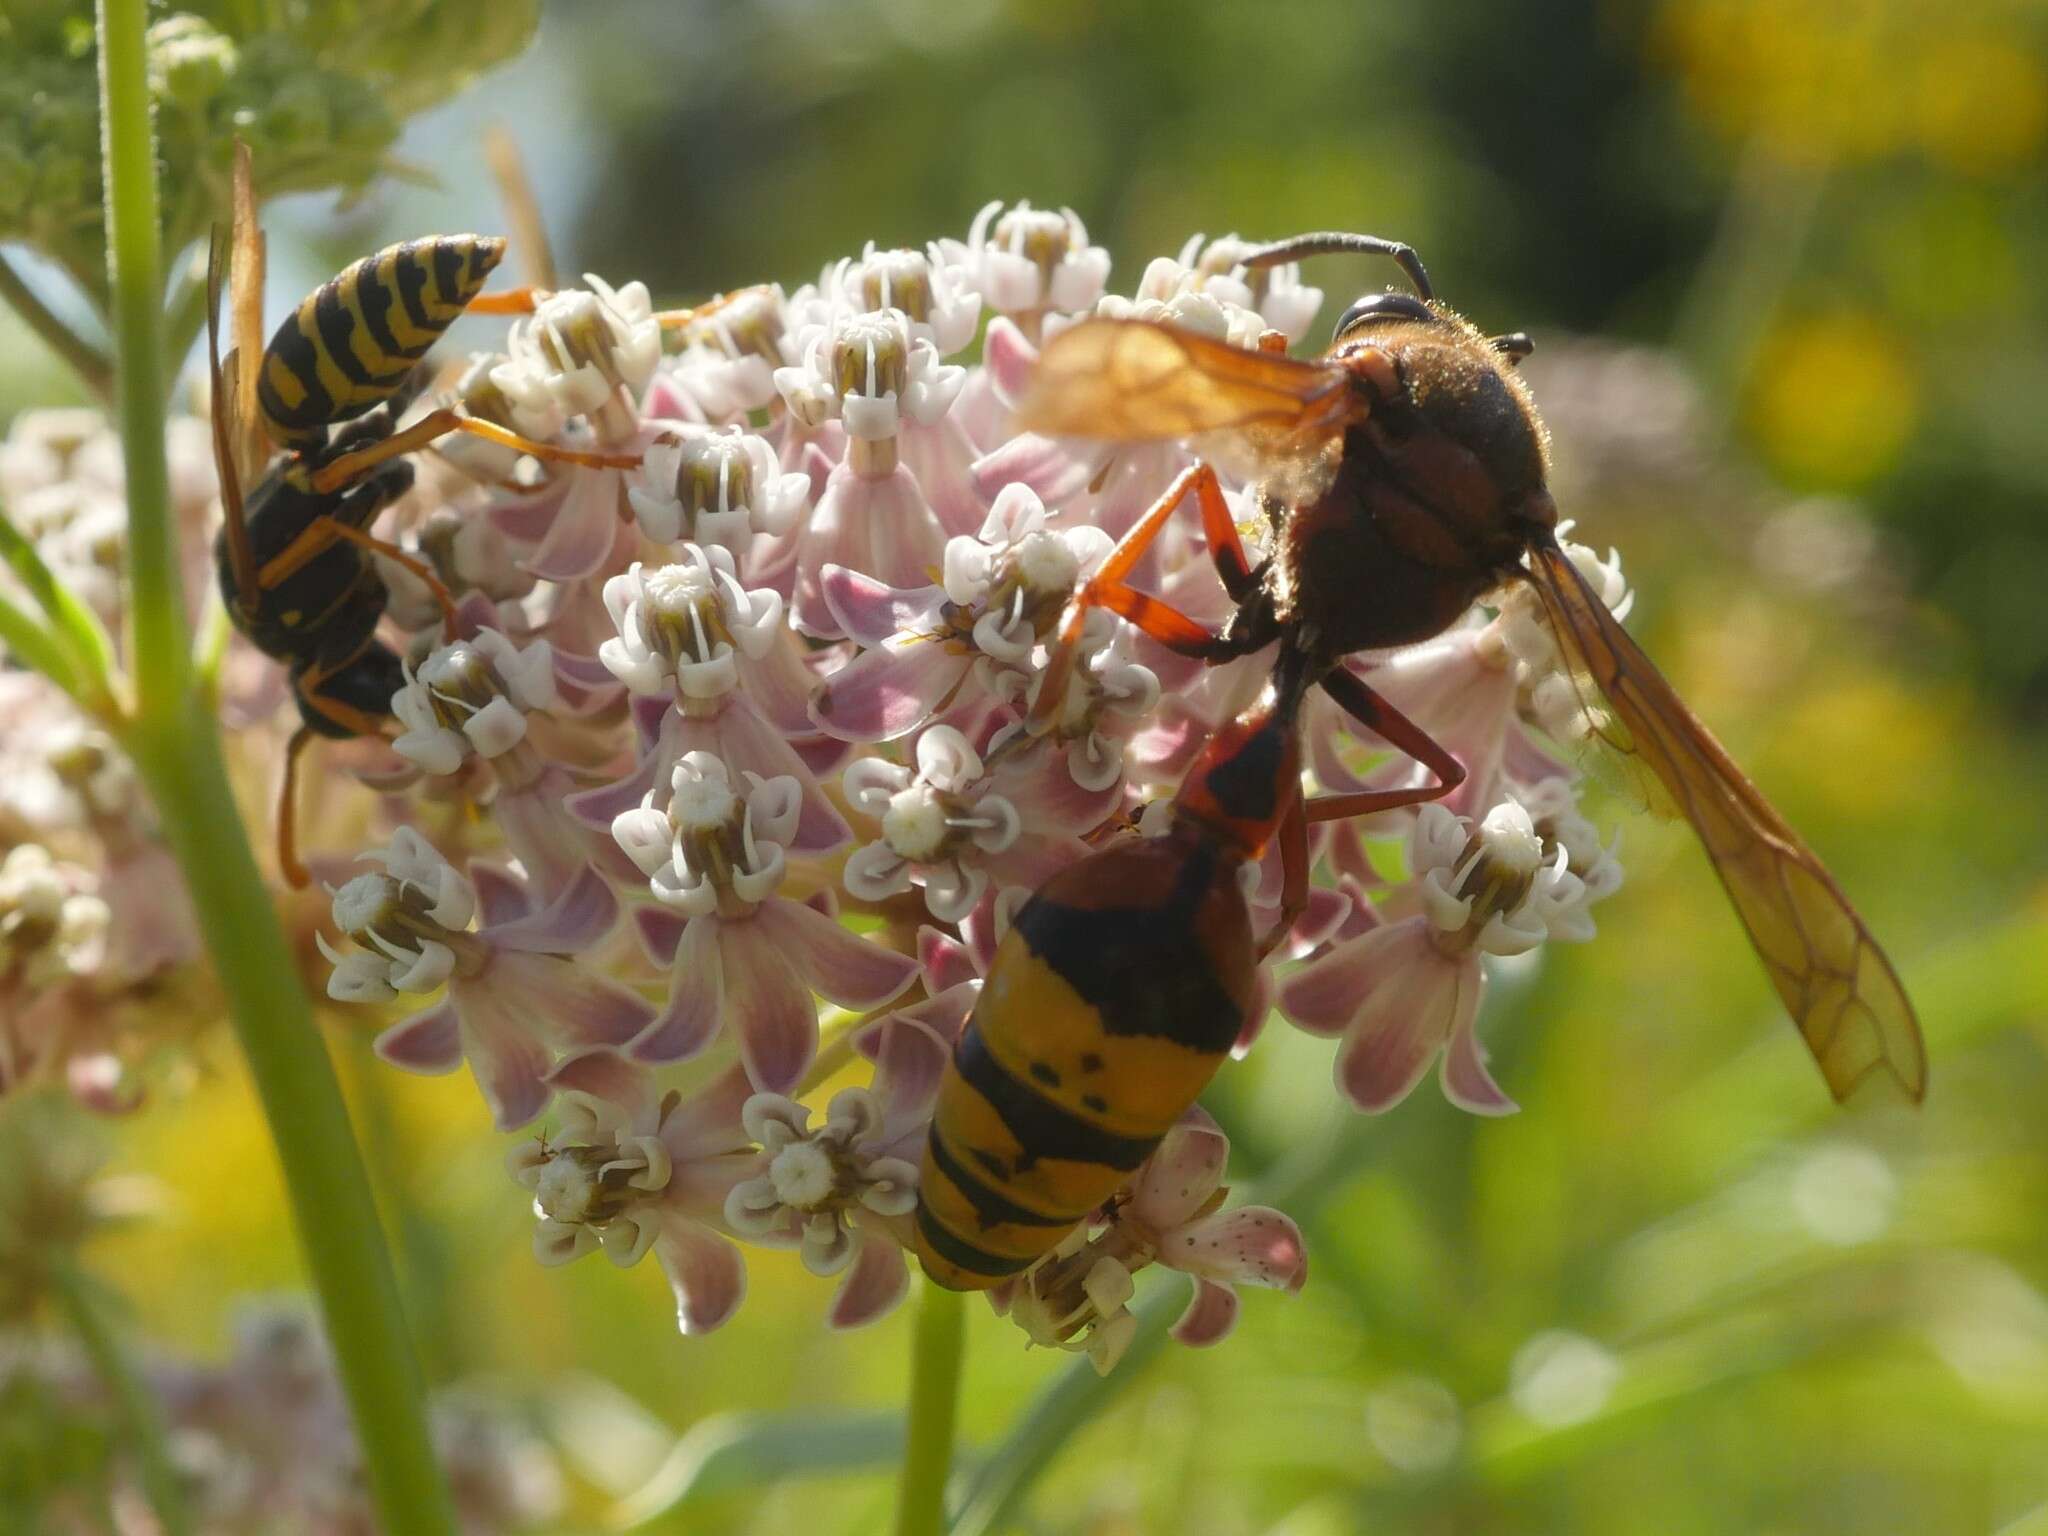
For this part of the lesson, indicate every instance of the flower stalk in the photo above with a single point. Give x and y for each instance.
(176, 746)
(937, 1347)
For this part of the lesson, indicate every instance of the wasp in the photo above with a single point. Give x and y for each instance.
(1403, 477)
(311, 421)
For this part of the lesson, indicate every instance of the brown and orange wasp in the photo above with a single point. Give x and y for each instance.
(1403, 477)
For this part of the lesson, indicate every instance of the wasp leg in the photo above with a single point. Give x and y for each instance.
(522, 206)
(295, 873)
(1398, 731)
(1108, 589)
(677, 319)
(1226, 549)
(411, 562)
(1294, 871)
(513, 301)
(350, 466)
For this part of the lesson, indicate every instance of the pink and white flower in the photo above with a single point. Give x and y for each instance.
(629, 1171)
(516, 991)
(742, 957)
(714, 486)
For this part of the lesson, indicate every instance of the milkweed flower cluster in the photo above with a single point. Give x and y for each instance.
(701, 835)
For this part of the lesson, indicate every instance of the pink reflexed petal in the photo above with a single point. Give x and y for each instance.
(604, 1073)
(871, 611)
(1466, 1082)
(1180, 1176)
(778, 686)
(583, 530)
(509, 1064)
(560, 1000)
(1255, 1015)
(695, 996)
(659, 932)
(597, 808)
(1211, 1314)
(941, 457)
(1048, 467)
(575, 921)
(772, 1014)
(1049, 800)
(668, 401)
(745, 741)
(872, 1285)
(705, 1271)
(1398, 1033)
(654, 719)
(1253, 1245)
(500, 897)
(882, 694)
(910, 1058)
(527, 519)
(903, 537)
(822, 755)
(1009, 357)
(707, 1124)
(428, 1043)
(1324, 996)
(944, 960)
(1320, 920)
(852, 971)
(1032, 860)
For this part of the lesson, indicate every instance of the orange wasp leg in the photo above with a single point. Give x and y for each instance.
(513, 301)
(1294, 872)
(1399, 732)
(677, 319)
(1108, 589)
(350, 466)
(355, 721)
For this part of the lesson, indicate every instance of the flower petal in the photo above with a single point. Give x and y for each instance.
(772, 1013)
(564, 1001)
(574, 922)
(1253, 1245)
(509, 1064)
(1211, 1313)
(882, 694)
(706, 1272)
(872, 1285)
(696, 997)
(427, 1043)
(1181, 1174)
(1399, 1031)
(1324, 996)
(1466, 1082)
(852, 971)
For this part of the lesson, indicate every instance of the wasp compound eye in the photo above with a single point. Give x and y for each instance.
(1383, 306)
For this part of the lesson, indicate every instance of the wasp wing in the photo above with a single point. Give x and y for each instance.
(221, 411)
(1137, 380)
(1835, 982)
(251, 442)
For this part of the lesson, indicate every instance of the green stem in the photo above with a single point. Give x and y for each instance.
(138, 1410)
(937, 1347)
(330, 1197)
(175, 744)
(135, 258)
(86, 360)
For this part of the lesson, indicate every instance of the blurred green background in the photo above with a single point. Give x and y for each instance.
(1782, 260)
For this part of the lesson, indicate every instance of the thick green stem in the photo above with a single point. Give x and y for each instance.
(939, 1343)
(330, 1193)
(175, 743)
(138, 1410)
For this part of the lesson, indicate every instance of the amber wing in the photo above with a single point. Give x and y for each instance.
(1135, 380)
(1835, 982)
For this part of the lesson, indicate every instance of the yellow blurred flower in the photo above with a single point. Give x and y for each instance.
(1833, 398)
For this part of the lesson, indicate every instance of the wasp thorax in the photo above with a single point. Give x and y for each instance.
(871, 356)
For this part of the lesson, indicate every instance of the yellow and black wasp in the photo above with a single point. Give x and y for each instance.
(312, 420)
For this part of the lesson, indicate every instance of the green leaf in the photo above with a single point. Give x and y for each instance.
(741, 1453)
(74, 627)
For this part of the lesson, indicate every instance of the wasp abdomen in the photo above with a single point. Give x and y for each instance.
(1110, 1003)
(357, 337)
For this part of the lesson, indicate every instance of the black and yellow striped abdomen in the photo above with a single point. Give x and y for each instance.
(358, 336)
(1111, 1002)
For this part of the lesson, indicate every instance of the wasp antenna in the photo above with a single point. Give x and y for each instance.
(1333, 243)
